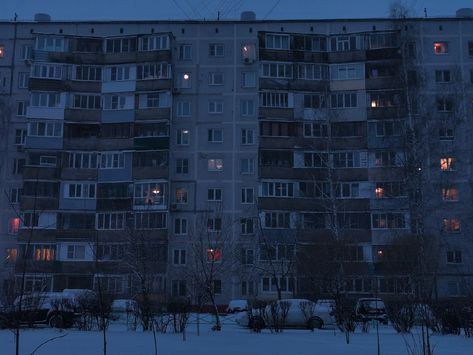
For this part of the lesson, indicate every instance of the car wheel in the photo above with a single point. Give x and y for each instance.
(256, 323)
(315, 323)
(56, 321)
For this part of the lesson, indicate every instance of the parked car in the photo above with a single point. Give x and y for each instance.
(237, 306)
(325, 309)
(55, 309)
(368, 309)
(300, 313)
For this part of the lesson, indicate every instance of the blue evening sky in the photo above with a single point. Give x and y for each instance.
(230, 9)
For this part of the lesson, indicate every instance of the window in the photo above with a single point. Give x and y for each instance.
(152, 71)
(148, 194)
(384, 99)
(20, 137)
(111, 221)
(269, 284)
(117, 73)
(448, 164)
(120, 45)
(154, 100)
(454, 257)
(275, 99)
(38, 252)
(214, 255)
(388, 221)
(312, 221)
(184, 80)
(277, 189)
(276, 70)
(442, 76)
(214, 194)
(247, 107)
(182, 136)
(249, 79)
(446, 133)
(383, 40)
(183, 109)
(21, 108)
(79, 190)
(385, 159)
(178, 288)
(14, 225)
(2, 51)
(247, 195)
(83, 160)
(470, 48)
(10, 255)
(214, 225)
(216, 50)
(47, 160)
(276, 220)
(215, 135)
(23, 80)
(248, 53)
(154, 43)
(314, 101)
(26, 52)
(440, 48)
(276, 41)
(15, 195)
(150, 220)
(247, 256)
(347, 190)
(247, 136)
(18, 166)
(451, 225)
(247, 226)
(247, 166)
(444, 104)
(184, 52)
(87, 73)
(76, 252)
(306, 71)
(110, 251)
(390, 189)
(343, 43)
(343, 100)
(116, 102)
(215, 164)
(314, 189)
(318, 44)
(45, 99)
(112, 160)
(47, 71)
(315, 160)
(182, 166)
(180, 226)
(215, 79)
(353, 71)
(388, 128)
(315, 130)
(181, 195)
(215, 106)
(450, 194)
(247, 288)
(89, 102)
(179, 257)
(109, 284)
(50, 44)
(45, 129)
(217, 287)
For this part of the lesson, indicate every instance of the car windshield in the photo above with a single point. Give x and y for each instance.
(373, 304)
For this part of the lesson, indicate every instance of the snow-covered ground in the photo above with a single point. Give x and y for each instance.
(232, 340)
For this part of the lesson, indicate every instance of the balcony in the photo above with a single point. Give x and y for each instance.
(277, 142)
(115, 143)
(79, 174)
(37, 84)
(389, 82)
(84, 86)
(287, 113)
(383, 53)
(153, 114)
(89, 143)
(347, 57)
(294, 84)
(153, 85)
(40, 173)
(80, 115)
(39, 203)
(386, 112)
(141, 173)
(34, 266)
(116, 204)
(151, 143)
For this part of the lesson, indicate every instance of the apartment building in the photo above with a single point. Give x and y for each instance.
(166, 141)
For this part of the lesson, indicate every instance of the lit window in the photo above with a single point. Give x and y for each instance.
(2, 51)
(214, 255)
(447, 164)
(451, 225)
(10, 255)
(450, 194)
(13, 225)
(181, 195)
(441, 47)
(215, 164)
(379, 192)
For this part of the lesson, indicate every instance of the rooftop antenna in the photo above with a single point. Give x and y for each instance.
(425, 12)
(16, 17)
(218, 15)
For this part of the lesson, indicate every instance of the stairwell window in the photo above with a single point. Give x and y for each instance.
(216, 50)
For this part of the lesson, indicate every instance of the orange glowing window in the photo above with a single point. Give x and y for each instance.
(14, 225)
(2, 51)
(214, 255)
(450, 194)
(379, 191)
(10, 255)
(374, 103)
(380, 253)
(451, 225)
(441, 47)
(447, 164)
(43, 253)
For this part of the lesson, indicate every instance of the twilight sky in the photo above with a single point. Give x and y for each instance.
(198, 9)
